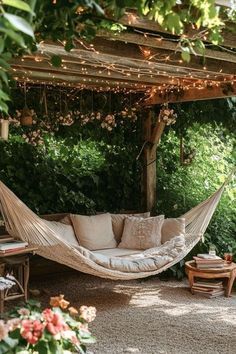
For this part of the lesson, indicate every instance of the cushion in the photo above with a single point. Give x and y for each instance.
(65, 232)
(117, 252)
(118, 223)
(172, 227)
(141, 234)
(94, 232)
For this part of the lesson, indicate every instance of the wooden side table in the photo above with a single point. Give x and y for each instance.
(229, 272)
(16, 264)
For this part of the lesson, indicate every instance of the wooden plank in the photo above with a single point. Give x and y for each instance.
(196, 65)
(121, 52)
(194, 94)
(131, 19)
(76, 70)
(155, 42)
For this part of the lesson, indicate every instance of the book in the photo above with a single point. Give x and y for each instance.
(12, 245)
(209, 260)
(207, 290)
(210, 266)
(209, 284)
(207, 256)
(12, 250)
(209, 295)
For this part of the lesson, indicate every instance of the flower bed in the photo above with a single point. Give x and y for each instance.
(57, 329)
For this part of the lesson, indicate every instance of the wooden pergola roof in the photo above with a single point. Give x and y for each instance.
(143, 59)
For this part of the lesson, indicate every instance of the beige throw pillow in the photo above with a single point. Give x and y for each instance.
(94, 232)
(142, 233)
(172, 227)
(64, 232)
(118, 223)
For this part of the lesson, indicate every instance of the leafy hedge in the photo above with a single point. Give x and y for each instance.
(83, 169)
(181, 186)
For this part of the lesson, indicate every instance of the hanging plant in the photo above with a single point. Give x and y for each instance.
(167, 115)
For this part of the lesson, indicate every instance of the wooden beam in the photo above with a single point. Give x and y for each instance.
(196, 65)
(155, 42)
(131, 55)
(132, 20)
(76, 69)
(194, 94)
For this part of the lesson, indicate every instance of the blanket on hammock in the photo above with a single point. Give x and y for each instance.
(146, 261)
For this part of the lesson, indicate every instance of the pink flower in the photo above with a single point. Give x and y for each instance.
(32, 330)
(54, 322)
(13, 324)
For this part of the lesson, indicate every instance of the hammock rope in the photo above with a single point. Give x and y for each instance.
(22, 223)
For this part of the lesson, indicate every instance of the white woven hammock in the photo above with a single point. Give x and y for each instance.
(22, 223)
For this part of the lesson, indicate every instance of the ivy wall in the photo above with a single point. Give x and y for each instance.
(80, 156)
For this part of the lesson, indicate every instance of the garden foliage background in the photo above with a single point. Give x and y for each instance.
(84, 167)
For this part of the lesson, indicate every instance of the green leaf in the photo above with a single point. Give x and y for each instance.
(56, 60)
(20, 24)
(18, 4)
(4, 64)
(3, 106)
(14, 36)
(2, 44)
(4, 96)
(186, 56)
(4, 77)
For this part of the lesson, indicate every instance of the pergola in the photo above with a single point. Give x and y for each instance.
(144, 59)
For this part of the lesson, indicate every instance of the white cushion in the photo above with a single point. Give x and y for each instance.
(116, 252)
(142, 234)
(65, 232)
(94, 232)
(172, 227)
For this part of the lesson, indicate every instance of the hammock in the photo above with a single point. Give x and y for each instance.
(22, 223)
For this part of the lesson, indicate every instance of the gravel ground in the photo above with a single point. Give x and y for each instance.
(148, 316)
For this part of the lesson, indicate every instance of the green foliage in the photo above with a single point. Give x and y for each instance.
(79, 168)
(16, 33)
(181, 186)
(69, 21)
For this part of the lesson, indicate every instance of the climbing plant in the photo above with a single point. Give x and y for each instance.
(25, 23)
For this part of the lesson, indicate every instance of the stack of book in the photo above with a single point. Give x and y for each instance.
(12, 246)
(206, 261)
(208, 288)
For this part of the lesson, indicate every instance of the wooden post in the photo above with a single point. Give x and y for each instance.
(149, 181)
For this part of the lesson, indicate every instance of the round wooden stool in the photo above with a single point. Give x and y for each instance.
(228, 271)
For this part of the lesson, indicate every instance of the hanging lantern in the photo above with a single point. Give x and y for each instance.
(26, 116)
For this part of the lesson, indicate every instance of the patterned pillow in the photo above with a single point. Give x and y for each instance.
(118, 223)
(142, 234)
